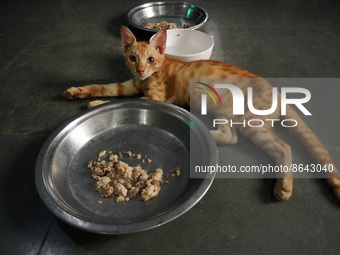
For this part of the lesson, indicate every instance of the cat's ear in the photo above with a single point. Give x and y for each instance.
(159, 41)
(127, 38)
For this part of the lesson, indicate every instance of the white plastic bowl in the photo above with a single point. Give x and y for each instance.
(188, 45)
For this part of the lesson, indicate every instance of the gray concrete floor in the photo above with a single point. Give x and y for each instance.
(47, 46)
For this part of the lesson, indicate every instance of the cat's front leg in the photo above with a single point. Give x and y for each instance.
(128, 88)
(160, 98)
(155, 91)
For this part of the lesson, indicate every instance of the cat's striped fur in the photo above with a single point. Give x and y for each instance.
(159, 78)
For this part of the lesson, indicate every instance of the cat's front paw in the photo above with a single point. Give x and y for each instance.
(76, 93)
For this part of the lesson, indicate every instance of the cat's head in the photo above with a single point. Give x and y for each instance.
(142, 58)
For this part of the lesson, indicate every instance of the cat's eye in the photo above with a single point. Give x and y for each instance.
(132, 58)
(151, 60)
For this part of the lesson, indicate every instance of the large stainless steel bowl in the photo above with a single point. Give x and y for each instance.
(166, 133)
(169, 11)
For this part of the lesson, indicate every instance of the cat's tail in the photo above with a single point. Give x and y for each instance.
(316, 150)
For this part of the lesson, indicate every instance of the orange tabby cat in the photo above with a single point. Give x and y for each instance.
(162, 79)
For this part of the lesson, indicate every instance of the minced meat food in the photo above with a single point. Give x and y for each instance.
(116, 178)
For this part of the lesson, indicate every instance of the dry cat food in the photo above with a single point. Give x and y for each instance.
(115, 178)
(165, 25)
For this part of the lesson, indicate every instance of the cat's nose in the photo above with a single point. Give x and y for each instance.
(140, 71)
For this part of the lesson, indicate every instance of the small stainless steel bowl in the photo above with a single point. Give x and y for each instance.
(171, 12)
(163, 132)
